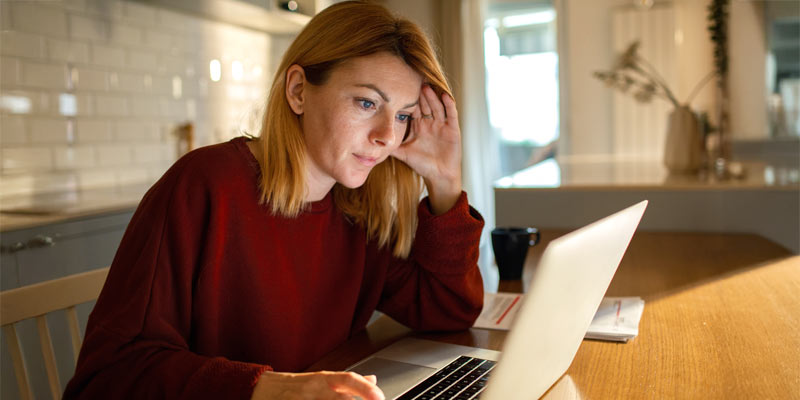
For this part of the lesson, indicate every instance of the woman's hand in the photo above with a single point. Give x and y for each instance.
(433, 148)
(316, 385)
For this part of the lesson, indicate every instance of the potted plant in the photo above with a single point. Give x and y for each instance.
(685, 147)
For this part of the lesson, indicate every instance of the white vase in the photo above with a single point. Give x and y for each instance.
(684, 150)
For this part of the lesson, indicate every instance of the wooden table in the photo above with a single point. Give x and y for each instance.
(721, 320)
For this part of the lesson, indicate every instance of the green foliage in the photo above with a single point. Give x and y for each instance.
(718, 28)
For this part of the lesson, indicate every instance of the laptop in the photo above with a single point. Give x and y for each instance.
(563, 296)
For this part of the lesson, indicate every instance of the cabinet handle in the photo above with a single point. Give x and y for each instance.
(13, 248)
(34, 242)
(41, 241)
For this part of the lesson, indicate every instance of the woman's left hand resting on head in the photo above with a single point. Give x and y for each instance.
(433, 148)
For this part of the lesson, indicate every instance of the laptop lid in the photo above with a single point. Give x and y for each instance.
(567, 287)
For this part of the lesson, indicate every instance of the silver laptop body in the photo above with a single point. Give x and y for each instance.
(565, 292)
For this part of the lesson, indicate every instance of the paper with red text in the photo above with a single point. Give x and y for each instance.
(617, 318)
(499, 310)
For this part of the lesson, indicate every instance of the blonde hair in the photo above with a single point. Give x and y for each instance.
(386, 204)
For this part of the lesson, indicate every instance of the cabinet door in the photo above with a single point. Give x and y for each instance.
(9, 274)
(68, 255)
(66, 248)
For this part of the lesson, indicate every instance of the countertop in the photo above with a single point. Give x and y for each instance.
(20, 212)
(567, 194)
(614, 174)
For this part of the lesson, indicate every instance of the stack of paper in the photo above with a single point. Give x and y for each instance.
(616, 319)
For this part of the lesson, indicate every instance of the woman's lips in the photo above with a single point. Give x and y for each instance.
(366, 161)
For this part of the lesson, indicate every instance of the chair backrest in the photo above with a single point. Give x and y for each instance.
(35, 301)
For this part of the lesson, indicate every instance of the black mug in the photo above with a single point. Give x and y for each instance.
(510, 247)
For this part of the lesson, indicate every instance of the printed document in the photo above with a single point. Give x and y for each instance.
(499, 310)
(617, 318)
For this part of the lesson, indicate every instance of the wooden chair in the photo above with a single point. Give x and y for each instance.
(35, 301)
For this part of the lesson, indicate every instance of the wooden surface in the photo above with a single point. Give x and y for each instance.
(721, 320)
(57, 294)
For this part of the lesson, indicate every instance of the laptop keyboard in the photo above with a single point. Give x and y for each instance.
(462, 379)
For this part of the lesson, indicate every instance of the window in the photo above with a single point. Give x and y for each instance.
(522, 81)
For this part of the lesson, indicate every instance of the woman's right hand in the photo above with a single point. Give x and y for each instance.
(316, 385)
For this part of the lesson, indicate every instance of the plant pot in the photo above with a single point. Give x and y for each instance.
(684, 150)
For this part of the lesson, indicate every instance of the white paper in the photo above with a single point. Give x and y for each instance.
(616, 319)
(499, 310)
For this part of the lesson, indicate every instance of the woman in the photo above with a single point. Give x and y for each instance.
(250, 260)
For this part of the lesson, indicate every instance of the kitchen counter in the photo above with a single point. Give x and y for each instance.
(638, 174)
(567, 194)
(21, 212)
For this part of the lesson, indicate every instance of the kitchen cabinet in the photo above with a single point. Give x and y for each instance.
(40, 253)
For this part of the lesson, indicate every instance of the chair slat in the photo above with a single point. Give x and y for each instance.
(49, 357)
(23, 384)
(74, 332)
(35, 301)
(28, 302)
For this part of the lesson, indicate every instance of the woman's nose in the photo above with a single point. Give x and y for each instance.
(383, 133)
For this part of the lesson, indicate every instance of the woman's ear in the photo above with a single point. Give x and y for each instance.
(295, 84)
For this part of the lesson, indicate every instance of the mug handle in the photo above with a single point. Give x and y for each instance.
(535, 233)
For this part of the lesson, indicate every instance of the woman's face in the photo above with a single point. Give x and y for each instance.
(356, 119)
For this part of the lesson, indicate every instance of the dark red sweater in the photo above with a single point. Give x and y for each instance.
(208, 289)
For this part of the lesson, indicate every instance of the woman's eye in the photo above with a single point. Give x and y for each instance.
(404, 117)
(366, 104)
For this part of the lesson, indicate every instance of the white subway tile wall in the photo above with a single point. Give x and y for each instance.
(74, 157)
(44, 131)
(21, 44)
(93, 131)
(92, 91)
(64, 50)
(9, 71)
(13, 130)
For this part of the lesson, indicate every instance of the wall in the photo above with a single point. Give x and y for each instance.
(695, 54)
(91, 91)
(748, 74)
(587, 46)
(422, 12)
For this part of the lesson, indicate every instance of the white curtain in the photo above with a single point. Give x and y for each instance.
(460, 26)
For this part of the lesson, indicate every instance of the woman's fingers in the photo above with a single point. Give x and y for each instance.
(435, 105)
(424, 107)
(354, 384)
(450, 108)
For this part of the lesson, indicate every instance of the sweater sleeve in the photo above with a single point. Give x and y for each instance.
(439, 287)
(137, 342)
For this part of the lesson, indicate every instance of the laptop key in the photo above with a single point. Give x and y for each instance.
(459, 379)
(433, 379)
